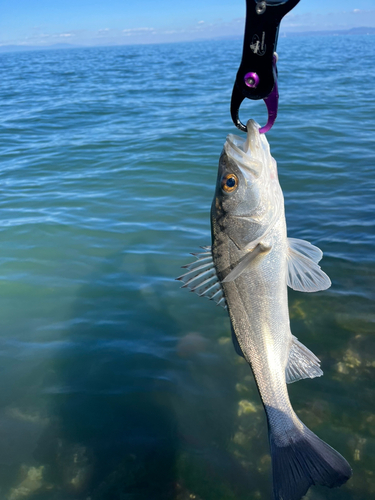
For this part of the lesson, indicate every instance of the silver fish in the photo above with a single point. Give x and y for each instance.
(247, 270)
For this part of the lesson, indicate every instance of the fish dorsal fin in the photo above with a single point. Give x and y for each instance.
(202, 279)
(302, 363)
(304, 273)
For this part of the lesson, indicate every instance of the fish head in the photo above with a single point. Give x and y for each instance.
(248, 199)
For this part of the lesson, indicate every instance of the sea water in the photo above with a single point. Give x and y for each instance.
(115, 383)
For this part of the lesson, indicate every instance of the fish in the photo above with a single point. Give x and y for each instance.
(247, 270)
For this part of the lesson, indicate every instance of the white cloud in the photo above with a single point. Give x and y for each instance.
(134, 30)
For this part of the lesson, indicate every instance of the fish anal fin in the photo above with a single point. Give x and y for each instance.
(304, 273)
(302, 363)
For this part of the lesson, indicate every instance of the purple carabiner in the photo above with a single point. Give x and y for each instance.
(272, 102)
(256, 76)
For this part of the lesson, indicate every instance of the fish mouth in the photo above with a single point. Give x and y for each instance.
(249, 154)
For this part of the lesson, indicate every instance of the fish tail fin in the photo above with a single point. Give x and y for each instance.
(305, 461)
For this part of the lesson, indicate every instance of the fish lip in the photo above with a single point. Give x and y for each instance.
(240, 157)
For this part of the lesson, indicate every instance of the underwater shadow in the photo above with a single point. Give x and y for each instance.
(112, 431)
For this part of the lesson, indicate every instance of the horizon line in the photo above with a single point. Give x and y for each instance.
(362, 30)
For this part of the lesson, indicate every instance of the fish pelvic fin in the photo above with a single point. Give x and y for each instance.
(202, 279)
(304, 273)
(302, 363)
(305, 461)
(236, 344)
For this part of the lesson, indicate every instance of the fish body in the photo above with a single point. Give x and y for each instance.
(257, 299)
(247, 270)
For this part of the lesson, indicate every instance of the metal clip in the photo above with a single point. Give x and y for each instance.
(257, 75)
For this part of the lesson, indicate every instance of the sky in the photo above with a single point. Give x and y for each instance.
(118, 22)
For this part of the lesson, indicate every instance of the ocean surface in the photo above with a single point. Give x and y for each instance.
(115, 383)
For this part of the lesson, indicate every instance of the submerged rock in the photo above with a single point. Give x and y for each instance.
(32, 481)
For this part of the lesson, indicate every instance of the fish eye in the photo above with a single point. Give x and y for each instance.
(229, 183)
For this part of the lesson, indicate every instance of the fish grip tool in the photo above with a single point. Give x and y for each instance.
(257, 75)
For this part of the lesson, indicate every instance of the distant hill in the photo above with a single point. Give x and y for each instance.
(352, 31)
(27, 48)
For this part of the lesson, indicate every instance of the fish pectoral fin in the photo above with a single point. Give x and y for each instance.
(202, 279)
(302, 363)
(246, 261)
(304, 273)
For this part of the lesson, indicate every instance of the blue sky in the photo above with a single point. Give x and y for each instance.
(113, 22)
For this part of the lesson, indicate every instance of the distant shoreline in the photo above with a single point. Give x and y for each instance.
(352, 31)
(283, 34)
